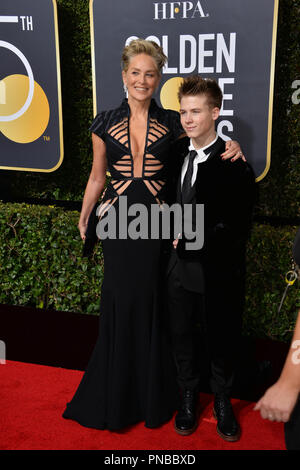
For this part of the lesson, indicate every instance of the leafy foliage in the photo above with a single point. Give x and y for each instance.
(269, 258)
(41, 266)
(41, 263)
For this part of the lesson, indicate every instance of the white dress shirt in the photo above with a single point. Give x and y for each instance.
(200, 158)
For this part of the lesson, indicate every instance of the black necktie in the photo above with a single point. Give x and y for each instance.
(187, 181)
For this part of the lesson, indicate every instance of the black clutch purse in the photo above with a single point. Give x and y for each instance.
(90, 234)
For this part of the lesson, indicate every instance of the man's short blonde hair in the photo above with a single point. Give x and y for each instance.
(196, 85)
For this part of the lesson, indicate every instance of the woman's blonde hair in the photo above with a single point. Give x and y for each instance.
(142, 46)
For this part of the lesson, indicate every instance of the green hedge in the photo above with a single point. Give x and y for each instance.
(41, 263)
(269, 258)
(41, 266)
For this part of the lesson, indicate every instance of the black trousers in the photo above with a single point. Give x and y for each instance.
(292, 429)
(214, 319)
(185, 312)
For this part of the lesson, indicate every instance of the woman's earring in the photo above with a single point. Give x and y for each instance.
(125, 89)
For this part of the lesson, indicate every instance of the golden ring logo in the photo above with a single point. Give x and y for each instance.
(24, 107)
(168, 93)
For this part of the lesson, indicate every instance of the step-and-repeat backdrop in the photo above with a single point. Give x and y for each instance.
(232, 41)
(30, 98)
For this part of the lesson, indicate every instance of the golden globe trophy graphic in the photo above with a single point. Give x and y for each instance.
(24, 107)
(31, 137)
(168, 93)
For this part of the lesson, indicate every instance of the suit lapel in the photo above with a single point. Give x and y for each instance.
(182, 152)
(214, 158)
(215, 149)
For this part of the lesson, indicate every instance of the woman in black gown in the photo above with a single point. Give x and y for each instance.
(130, 376)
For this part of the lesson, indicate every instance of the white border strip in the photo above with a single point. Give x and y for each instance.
(9, 19)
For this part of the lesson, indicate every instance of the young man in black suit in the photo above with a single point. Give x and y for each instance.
(210, 279)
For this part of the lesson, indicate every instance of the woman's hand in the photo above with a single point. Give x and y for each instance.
(175, 242)
(95, 183)
(278, 402)
(82, 226)
(234, 150)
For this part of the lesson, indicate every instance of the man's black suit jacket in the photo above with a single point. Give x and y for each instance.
(227, 190)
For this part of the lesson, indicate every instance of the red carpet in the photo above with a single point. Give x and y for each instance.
(33, 397)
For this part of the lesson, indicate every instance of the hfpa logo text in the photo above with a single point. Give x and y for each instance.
(182, 10)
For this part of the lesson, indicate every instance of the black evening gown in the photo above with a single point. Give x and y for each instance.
(131, 376)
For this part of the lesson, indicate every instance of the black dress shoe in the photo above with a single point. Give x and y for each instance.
(227, 427)
(186, 420)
